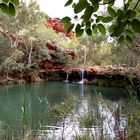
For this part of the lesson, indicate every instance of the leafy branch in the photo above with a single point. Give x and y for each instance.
(122, 22)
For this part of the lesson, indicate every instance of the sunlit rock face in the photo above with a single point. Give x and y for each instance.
(58, 26)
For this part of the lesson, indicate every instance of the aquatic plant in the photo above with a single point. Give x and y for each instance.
(79, 118)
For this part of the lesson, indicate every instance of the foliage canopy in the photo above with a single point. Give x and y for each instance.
(119, 22)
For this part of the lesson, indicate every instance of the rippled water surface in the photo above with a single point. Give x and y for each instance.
(102, 107)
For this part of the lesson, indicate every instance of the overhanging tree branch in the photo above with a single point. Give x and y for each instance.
(136, 5)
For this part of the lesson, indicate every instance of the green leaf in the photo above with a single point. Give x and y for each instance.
(94, 28)
(127, 15)
(127, 22)
(12, 10)
(118, 29)
(120, 15)
(88, 31)
(80, 6)
(88, 12)
(78, 34)
(73, 5)
(111, 12)
(112, 28)
(83, 23)
(95, 6)
(78, 27)
(121, 39)
(88, 24)
(67, 26)
(105, 1)
(133, 15)
(135, 25)
(111, 3)
(70, 28)
(91, 20)
(102, 29)
(15, 2)
(78, 30)
(69, 2)
(4, 8)
(82, 17)
(65, 19)
(5, 1)
(100, 17)
(128, 32)
(129, 40)
(107, 19)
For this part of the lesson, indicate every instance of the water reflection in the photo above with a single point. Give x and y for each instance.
(93, 114)
(92, 119)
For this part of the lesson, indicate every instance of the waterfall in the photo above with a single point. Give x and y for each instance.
(67, 78)
(82, 72)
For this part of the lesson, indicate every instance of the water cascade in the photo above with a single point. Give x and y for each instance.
(67, 78)
(82, 72)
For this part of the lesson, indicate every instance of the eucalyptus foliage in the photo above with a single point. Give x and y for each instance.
(120, 22)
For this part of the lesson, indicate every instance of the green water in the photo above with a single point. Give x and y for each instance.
(11, 99)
